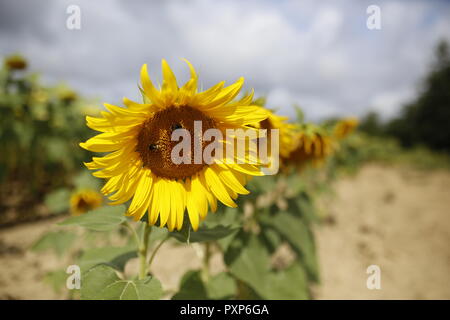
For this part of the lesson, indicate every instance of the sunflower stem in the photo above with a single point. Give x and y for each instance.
(152, 257)
(206, 257)
(133, 232)
(143, 249)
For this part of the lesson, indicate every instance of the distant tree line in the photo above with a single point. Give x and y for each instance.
(426, 120)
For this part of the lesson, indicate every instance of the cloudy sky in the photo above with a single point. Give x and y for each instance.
(317, 54)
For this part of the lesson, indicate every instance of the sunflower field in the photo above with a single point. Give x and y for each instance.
(136, 199)
(40, 127)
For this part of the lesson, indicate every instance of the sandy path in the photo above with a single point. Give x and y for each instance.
(397, 219)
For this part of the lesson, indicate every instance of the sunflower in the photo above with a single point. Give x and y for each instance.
(15, 62)
(85, 200)
(67, 96)
(138, 137)
(344, 127)
(312, 144)
(286, 131)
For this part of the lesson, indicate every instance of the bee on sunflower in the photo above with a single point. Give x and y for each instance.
(84, 200)
(140, 165)
(311, 145)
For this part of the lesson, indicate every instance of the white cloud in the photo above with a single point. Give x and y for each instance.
(318, 55)
(387, 103)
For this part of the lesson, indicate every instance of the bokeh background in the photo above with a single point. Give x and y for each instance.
(320, 56)
(389, 204)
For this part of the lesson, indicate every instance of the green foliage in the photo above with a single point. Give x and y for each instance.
(103, 283)
(56, 279)
(297, 233)
(371, 124)
(361, 148)
(220, 287)
(58, 241)
(58, 201)
(191, 287)
(115, 257)
(40, 128)
(102, 219)
(203, 234)
(423, 121)
(248, 260)
(85, 180)
(289, 284)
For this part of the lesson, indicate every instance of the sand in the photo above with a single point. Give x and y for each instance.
(395, 218)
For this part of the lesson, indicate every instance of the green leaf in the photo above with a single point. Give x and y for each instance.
(221, 286)
(295, 184)
(288, 284)
(245, 292)
(271, 239)
(157, 234)
(102, 283)
(57, 149)
(307, 209)
(295, 231)
(303, 205)
(248, 260)
(102, 219)
(56, 279)
(263, 184)
(85, 180)
(225, 242)
(191, 287)
(115, 257)
(203, 234)
(58, 201)
(300, 114)
(58, 241)
(225, 216)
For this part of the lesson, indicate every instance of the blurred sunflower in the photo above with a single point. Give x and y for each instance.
(67, 96)
(312, 144)
(286, 131)
(15, 62)
(84, 200)
(344, 127)
(139, 139)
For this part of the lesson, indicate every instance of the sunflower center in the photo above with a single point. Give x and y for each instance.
(155, 145)
(83, 205)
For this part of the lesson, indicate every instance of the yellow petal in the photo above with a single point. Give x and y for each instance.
(149, 89)
(217, 187)
(227, 94)
(230, 180)
(169, 85)
(139, 204)
(163, 196)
